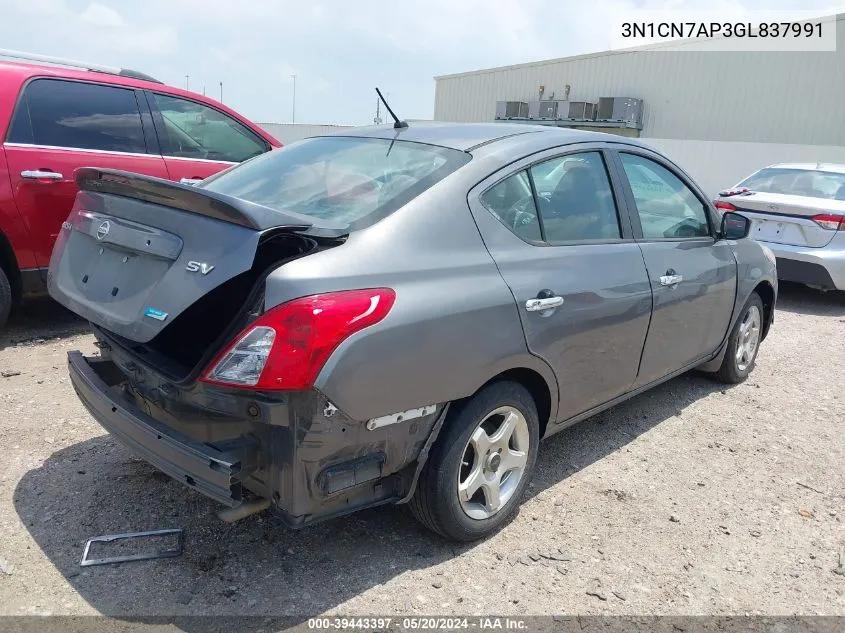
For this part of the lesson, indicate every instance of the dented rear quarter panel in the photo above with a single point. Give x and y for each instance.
(454, 324)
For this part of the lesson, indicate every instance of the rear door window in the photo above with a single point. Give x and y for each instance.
(78, 115)
(512, 202)
(194, 130)
(575, 199)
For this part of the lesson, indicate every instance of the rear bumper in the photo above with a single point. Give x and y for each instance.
(818, 266)
(309, 459)
(215, 473)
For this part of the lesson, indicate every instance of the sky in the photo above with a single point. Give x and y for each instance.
(339, 50)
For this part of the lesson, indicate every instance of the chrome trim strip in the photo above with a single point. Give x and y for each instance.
(199, 160)
(105, 151)
(80, 149)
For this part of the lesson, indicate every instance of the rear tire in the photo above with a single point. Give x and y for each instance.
(5, 298)
(744, 343)
(481, 464)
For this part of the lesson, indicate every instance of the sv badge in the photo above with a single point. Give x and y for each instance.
(199, 267)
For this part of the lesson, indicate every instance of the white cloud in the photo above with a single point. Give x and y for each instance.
(335, 47)
(101, 16)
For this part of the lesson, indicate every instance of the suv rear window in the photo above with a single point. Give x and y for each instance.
(194, 130)
(78, 115)
(346, 181)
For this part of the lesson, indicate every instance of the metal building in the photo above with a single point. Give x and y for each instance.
(720, 115)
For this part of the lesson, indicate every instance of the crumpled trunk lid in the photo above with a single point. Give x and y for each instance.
(136, 253)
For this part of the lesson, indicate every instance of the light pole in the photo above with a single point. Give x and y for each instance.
(186, 81)
(293, 109)
(221, 92)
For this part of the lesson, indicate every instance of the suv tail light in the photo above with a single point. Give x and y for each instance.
(287, 346)
(724, 206)
(830, 221)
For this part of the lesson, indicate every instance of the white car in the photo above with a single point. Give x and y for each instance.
(798, 211)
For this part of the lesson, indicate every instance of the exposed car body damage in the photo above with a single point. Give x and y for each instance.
(243, 382)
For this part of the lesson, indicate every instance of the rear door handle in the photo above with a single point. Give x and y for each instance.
(671, 280)
(547, 303)
(41, 174)
(190, 181)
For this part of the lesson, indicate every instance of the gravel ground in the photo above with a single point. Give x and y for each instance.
(689, 499)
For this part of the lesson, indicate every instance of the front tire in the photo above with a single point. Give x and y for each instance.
(744, 343)
(481, 464)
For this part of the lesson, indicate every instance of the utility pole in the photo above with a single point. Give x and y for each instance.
(186, 81)
(221, 92)
(377, 119)
(293, 109)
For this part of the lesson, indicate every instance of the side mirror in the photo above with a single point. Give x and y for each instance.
(734, 226)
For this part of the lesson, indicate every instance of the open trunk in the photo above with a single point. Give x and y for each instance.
(169, 270)
(786, 219)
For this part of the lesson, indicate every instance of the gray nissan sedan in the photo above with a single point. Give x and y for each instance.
(399, 314)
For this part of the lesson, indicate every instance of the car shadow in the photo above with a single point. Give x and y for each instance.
(39, 320)
(801, 299)
(257, 566)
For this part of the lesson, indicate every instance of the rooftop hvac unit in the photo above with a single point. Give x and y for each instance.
(582, 110)
(549, 109)
(511, 110)
(621, 109)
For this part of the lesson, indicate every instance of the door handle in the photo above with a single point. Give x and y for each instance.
(41, 174)
(671, 279)
(546, 303)
(190, 181)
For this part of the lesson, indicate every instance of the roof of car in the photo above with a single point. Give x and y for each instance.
(468, 136)
(832, 167)
(19, 72)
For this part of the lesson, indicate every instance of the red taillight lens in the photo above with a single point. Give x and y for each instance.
(724, 206)
(287, 346)
(830, 221)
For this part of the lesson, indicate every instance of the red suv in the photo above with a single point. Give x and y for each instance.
(54, 120)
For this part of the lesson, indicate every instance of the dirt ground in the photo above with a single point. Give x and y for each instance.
(689, 499)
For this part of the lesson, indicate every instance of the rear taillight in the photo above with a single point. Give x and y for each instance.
(724, 206)
(287, 346)
(830, 221)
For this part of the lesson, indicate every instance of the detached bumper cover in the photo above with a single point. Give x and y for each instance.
(214, 472)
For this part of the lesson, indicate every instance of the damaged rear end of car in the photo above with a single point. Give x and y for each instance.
(209, 355)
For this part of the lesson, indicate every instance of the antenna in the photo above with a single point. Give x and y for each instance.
(397, 124)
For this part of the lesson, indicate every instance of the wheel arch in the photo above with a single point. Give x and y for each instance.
(541, 386)
(9, 264)
(767, 293)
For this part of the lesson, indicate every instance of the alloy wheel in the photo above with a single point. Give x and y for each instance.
(749, 338)
(493, 462)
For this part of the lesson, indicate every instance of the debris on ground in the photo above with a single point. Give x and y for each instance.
(8, 373)
(111, 538)
(6, 567)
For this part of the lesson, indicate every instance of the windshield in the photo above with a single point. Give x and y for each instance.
(340, 180)
(797, 182)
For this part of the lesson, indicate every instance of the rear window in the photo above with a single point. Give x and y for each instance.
(79, 115)
(345, 181)
(797, 182)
